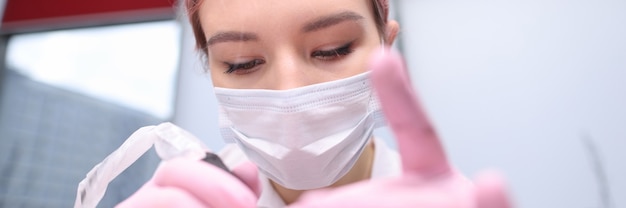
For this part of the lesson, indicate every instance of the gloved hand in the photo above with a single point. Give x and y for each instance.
(428, 180)
(183, 182)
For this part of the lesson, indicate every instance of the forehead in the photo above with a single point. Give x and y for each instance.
(275, 15)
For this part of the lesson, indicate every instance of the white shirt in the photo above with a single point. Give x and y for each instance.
(386, 163)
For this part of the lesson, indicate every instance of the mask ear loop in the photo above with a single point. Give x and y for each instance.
(169, 141)
(383, 45)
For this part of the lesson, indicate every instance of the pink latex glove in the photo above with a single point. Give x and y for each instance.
(427, 180)
(189, 183)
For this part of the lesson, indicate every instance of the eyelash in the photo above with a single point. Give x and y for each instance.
(243, 67)
(333, 54)
(328, 55)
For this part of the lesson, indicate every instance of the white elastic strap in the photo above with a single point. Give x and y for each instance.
(170, 141)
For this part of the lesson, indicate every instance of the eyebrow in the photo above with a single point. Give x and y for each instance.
(330, 20)
(315, 25)
(231, 36)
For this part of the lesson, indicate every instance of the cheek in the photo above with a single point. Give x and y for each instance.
(360, 62)
(359, 65)
(217, 77)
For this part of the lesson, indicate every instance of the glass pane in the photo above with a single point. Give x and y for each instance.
(133, 65)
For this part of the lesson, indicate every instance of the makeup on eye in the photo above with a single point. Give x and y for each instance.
(243, 67)
(333, 54)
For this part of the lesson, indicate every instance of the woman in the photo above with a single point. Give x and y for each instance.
(284, 45)
(292, 81)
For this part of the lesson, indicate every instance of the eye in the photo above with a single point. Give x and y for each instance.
(243, 68)
(330, 55)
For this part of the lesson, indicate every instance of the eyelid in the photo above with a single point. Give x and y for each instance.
(242, 66)
(337, 52)
(334, 46)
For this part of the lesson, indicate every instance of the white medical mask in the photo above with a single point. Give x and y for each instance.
(303, 138)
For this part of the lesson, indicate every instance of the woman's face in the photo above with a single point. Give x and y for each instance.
(279, 44)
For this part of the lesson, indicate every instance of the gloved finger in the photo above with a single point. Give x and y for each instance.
(418, 144)
(212, 185)
(151, 195)
(249, 174)
(491, 191)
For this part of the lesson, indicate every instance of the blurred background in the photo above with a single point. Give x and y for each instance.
(533, 88)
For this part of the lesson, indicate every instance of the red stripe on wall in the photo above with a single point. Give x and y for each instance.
(34, 13)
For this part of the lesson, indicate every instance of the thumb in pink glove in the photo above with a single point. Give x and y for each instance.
(188, 183)
(428, 180)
